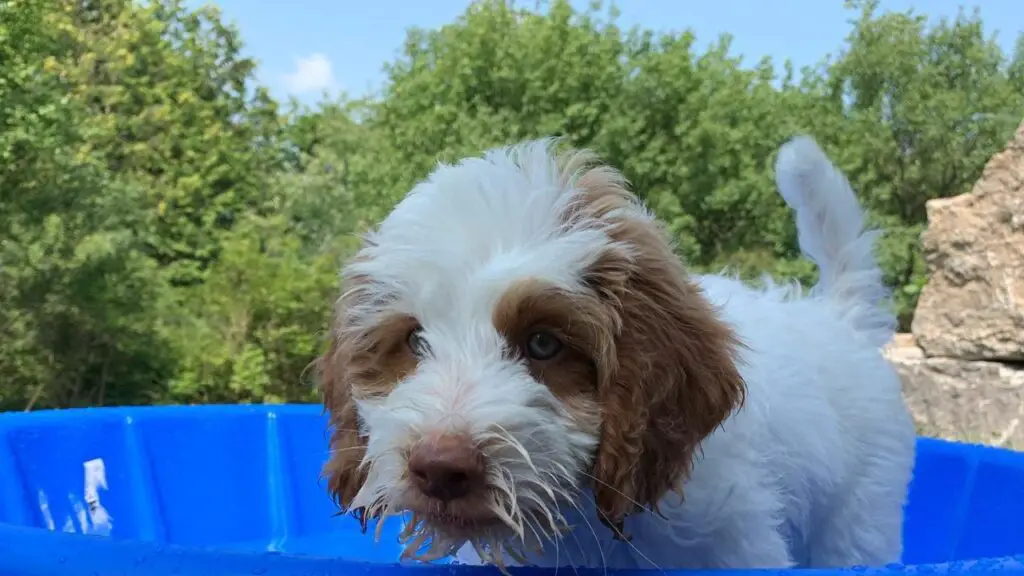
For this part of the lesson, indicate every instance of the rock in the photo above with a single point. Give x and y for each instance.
(973, 304)
(964, 400)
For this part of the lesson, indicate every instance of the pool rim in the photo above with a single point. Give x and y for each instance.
(24, 548)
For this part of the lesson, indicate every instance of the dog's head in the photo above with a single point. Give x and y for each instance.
(516, 331)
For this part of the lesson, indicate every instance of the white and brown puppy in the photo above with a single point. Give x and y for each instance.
(522, 363)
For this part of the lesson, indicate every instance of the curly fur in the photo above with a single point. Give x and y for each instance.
(688, 422)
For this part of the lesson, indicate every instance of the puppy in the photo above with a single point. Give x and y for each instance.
(523, 370)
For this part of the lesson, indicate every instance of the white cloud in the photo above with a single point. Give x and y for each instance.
(312, 73)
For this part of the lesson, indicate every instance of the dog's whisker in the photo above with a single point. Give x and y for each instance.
(479, 549)
(593, 532)
(633, 546)
(612, 488)
(579, 546)
(510, 520)
(537, 531)
(516, 556)
(340, 451)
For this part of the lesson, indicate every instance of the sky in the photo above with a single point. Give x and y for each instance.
(306, 48)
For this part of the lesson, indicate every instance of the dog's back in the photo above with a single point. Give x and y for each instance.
(825, 408)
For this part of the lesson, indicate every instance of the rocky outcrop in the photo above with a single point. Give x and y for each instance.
(963, 366)
(973, 305)
(968, 400)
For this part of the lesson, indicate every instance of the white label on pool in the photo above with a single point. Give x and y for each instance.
(92, 518)
(96, 478)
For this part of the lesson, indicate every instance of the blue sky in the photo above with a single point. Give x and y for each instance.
(308, 46)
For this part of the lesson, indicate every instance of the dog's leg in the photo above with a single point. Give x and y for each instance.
(736, 524)
(866, 523)
(864, 531)
(748, 545)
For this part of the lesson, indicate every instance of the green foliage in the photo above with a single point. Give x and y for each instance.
(910, 112)
(171, 94)
(169, 233)
(81, 319)
(249, 332)
(926, 108)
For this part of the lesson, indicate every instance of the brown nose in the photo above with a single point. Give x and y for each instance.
(447, 468)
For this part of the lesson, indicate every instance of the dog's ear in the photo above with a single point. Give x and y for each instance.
(675, 377)
(367, 356)
(350, 357)
(343, 470)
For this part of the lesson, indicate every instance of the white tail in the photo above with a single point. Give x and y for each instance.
(830, 227)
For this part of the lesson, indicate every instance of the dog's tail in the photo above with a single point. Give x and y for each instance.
(830, 226)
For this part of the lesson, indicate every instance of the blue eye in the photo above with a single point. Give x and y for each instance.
(543, 345)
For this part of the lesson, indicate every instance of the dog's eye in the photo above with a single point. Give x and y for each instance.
(543, 345)
(417, 343)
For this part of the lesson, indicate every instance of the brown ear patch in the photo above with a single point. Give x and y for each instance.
(676, 378)
(361, 362)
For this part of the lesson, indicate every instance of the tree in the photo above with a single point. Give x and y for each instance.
(168, 233)
(251, 329)
(497, 75)
(924, 109)
(130, 144)
(911, 112)
(179, 118)
(79, 323)
(695, 133)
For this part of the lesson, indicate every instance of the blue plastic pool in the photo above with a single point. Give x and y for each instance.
(236, 490)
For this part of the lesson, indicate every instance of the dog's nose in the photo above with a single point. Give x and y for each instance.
(447, 468)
